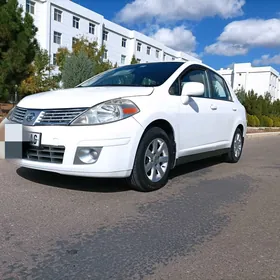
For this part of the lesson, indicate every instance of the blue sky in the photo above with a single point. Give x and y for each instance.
(221, 32)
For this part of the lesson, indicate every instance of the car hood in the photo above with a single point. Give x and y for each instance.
(80, 97)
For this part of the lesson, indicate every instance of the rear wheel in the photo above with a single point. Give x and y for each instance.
(236, 149)
(152, 162)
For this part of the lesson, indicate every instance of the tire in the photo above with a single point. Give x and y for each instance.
(233, 156)
(142, 177)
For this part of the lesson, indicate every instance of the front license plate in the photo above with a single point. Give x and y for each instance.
(35, 139)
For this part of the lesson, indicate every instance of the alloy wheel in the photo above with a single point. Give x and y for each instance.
(156, 160)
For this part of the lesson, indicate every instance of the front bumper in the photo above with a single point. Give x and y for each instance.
(119, 142)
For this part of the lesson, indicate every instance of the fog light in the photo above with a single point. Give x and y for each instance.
(87, 155)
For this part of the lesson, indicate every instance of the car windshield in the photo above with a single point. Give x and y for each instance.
(138, 75)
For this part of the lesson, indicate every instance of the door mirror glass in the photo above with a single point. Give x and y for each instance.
(192, 89)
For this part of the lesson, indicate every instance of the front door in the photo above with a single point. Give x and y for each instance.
(197, 121)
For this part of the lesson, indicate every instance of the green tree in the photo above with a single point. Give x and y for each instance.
(252, 104)
(17, 46)
(133, 60)
(39, 79)
(90, 49)
(77, 68)
(241, 95)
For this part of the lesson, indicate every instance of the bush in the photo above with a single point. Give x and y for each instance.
(251, 120)
(266, 121)
(257, 121)
(276, 121)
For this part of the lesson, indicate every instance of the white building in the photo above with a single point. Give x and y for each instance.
(259, 79)
(59, 22)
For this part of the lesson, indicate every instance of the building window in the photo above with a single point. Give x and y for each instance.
(74, 41)
(76, 22)
(124, 42)
(57, 37)
(105, 55)
(164, 57)
(105, 35)
(54, 59)
(123, 59)
(157, 53)
(57, 15)
(148, 50)
(91, 28)
(139, 47)
(30, 7)
(138, 60)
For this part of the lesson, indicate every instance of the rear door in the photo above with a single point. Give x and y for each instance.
(224, 107)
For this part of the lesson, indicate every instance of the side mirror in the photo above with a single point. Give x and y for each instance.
(191, 89)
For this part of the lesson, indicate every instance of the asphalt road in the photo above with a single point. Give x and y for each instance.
(212, 221)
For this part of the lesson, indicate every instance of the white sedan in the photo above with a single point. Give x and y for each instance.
(136, 122)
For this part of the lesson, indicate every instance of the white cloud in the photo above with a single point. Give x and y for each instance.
(179, 38)
(253, 33)
(240, 36)
(175, 10)
(225, 49)
(267, 60)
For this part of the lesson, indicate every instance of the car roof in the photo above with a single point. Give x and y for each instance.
(184, 63)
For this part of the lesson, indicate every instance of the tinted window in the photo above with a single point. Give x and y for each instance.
(219, 89)
(148, 75)
(198, 76)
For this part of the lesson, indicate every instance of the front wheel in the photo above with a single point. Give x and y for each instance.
(236, 149)
(152, 162)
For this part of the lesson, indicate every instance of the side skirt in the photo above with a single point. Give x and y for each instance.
(200, 156)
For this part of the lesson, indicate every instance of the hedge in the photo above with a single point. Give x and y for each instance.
(264, 121)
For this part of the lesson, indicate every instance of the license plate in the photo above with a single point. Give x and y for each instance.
(35, 139)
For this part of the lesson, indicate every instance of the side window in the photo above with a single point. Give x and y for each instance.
(191, 76)
(175, 88)
(198, 76)
(219, 88)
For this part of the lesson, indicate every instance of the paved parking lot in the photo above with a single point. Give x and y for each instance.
(212, 221)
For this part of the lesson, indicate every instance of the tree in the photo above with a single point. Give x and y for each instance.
(77, 68)
(17, 46)
(133, 60)
(39, 79)
(241, 95)
(90, 49)
(61, 55)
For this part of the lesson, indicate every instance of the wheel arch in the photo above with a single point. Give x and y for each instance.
(169, 129)
(241, 127)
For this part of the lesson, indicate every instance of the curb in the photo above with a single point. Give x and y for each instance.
(262, 134)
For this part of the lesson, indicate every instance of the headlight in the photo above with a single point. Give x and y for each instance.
(10, 114)
(107, 112)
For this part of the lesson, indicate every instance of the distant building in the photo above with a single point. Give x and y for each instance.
(60, 22)
(259, 79)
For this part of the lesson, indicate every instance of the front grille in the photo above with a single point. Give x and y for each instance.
(59, 116)
(18, 114)
(46, 117)
(50, 154)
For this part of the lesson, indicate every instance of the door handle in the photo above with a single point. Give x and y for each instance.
(234, 109)
(213, 107)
